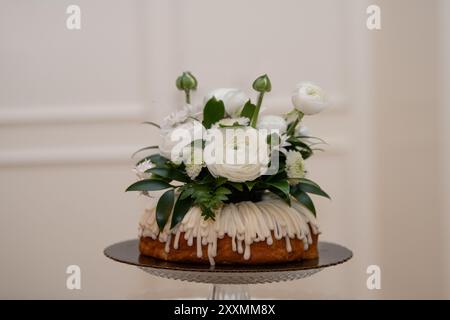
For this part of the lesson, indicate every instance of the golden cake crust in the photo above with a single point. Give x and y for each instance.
(261, 252)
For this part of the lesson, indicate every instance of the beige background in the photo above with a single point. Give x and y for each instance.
(71, 103)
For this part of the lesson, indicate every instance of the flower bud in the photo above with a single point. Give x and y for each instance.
(186, 81)
(262, 84)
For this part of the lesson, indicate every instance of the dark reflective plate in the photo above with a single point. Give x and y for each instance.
(128, 252)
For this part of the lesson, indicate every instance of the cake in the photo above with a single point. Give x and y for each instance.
(235, 185)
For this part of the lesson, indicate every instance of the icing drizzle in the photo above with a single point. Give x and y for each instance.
(244, 222)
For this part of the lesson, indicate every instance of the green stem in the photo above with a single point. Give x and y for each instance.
(188, 96)
(294, 125)
(258, 107)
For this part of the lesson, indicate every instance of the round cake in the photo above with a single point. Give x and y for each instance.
(264, 232)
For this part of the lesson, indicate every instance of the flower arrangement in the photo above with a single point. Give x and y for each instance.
(225, 152)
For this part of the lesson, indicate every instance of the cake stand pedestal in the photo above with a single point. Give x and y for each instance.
(229, 282)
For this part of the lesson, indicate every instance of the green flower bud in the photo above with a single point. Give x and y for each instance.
(186, 81)
(262, 84)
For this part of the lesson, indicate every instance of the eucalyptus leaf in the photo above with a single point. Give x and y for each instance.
(149, 185)
(213, 112)
(164, 208)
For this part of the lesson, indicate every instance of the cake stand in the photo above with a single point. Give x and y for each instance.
(229, 282)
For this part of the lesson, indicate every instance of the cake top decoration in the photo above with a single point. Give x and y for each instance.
(226, 151)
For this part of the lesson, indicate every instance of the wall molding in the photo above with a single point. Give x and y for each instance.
(95, 154)
(89, 155)
(71, 114)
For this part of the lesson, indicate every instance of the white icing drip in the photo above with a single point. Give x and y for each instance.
(244, 222)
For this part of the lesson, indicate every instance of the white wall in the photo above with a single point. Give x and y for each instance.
(71, 103)
(443, 70)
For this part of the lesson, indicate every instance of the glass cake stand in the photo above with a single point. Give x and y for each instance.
(229, 282)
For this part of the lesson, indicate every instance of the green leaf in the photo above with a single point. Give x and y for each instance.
(158, 159)
(310, 186)
(249, 110)
(311, 137)
(306, 187)
(170, 174)
(220, 181)
(281, 194)
(308, 181)
(304, 199)
(142, 149)
(306, 154)
(237, 186)
(164, 208)
(250, 184)
(281, 185)
(281, 189)
(180, 209)
(152, 124)
(207, 179)
(213, 112)
(142, 160)
(222, 191)
(291, 127)
(297, 143)
(149, 185)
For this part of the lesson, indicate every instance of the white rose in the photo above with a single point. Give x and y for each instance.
(309, 98)
(233, 100)
(241, 159)
(174, 140)
(272, 122)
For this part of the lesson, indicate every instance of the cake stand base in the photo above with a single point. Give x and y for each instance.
(230, 282)
(229, 292)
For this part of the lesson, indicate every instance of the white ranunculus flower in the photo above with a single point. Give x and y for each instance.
(236, 155)
(174, 140)
(233, 100)
(230, 122)
(193, 160)
(272, 122)
(175, 118)
(142, 167)
(302, 130)
(309, 98)
(295, 166)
